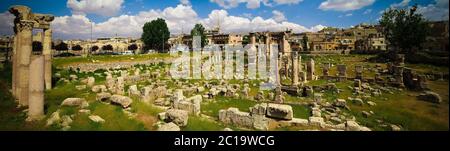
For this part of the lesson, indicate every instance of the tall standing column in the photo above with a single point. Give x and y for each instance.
(25, 37)
(36, 88)
(47, 52)
(294, 69)
(14, 64)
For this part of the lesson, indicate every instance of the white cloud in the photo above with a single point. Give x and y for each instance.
(287, 1)
(278, 16)
(7, 24)
(178, 18)
(348, 15)
(435, 12)
(368, 11)
(317, 28)
(345, 5)
(402, 4)
(185, 2)
(252, 4)
(99, 7)
(181, 18)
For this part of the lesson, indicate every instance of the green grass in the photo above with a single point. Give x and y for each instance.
(58, 62)
(212, 108)
(202, 124)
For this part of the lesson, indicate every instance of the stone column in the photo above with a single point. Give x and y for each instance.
(36, 88)
(14, 66)
(310, 69)
(47, 52)
(25, 37)
(294, 69)
(342, 72)
(252, 39)
(280, 55)
(358, 72)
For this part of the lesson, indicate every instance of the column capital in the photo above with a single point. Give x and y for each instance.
(24, 25)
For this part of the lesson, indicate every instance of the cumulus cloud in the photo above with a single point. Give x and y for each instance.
(403, 3)
(317, 28)
(6, 26)
(181, 18)
(185, 2)
(79, 26)
(252, 4)
(99, 7)
(368, 11)
(278, 16)
(287, 1)
(435, 12)
(345, 5)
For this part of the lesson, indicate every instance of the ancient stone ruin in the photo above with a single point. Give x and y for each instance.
(31, 70)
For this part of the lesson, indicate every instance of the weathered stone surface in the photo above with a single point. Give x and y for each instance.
(371, 103)
(54, 118)
(429, 96)
(169, 127)
(340, 103)
(260, 122)
(123, 101)
(316, 121)
(73, 102)
(99, 88)
(279, 111)
(162, 116)
(395, 127)
(96, 119)
(103, 96)
(90, 81)
(236, 117)
(179, 117)
(299, 122)
(258, 109)
(133, 91)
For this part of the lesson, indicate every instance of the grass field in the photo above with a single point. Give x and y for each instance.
(401, 108)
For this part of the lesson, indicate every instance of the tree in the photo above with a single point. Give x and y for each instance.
(94, 48)
(245, 39)
(77, 48)
(61, 46)
(305, 43)
(132, 47)
(37, 46)
(155, 35)
(107, 47)
(404, 29)
(199, 30)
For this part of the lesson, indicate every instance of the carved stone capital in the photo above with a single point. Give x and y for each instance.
(21, 12)
(24, 25)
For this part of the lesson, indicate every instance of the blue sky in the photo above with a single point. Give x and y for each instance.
(302, 15)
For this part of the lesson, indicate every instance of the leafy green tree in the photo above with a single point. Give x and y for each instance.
(37, 46)
(107, 47)
(155, 35)
(61, 47)
(77, 48)
(132, 47)
(199, 30)
(246, 39)
(404, 29)
(94, 48)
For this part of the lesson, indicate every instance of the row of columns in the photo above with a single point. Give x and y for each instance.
(31, 73)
